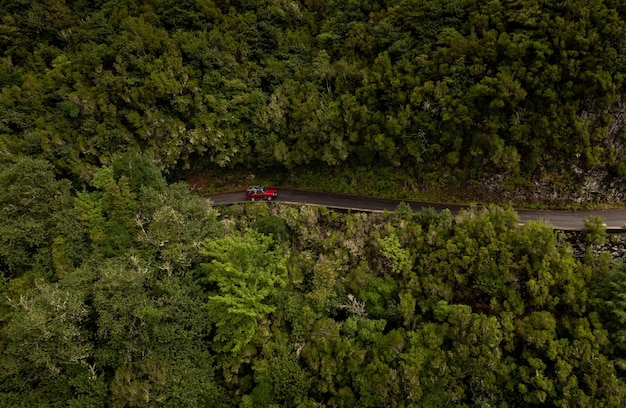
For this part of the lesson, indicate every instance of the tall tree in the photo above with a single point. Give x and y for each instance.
(244, 275)
(35, 209)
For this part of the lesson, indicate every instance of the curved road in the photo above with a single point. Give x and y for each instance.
(563, 220)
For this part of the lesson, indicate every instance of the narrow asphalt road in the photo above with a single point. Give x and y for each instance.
(565, 220)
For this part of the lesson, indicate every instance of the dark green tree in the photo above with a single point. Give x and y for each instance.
(36, 217)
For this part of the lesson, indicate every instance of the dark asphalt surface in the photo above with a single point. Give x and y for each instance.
(565, 220)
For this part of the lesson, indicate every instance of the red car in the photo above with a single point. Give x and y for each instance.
(260, 192)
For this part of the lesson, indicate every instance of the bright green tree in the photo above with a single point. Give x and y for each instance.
(244, 275)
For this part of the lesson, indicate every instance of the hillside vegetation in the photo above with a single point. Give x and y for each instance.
(137, 293)
(119, 287)
(463, 88)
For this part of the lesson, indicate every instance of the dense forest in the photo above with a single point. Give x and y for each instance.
(466, 87)
(136, 293)
(121, 287)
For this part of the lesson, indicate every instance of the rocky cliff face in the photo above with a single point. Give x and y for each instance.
(615, 245)
(588, 188)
